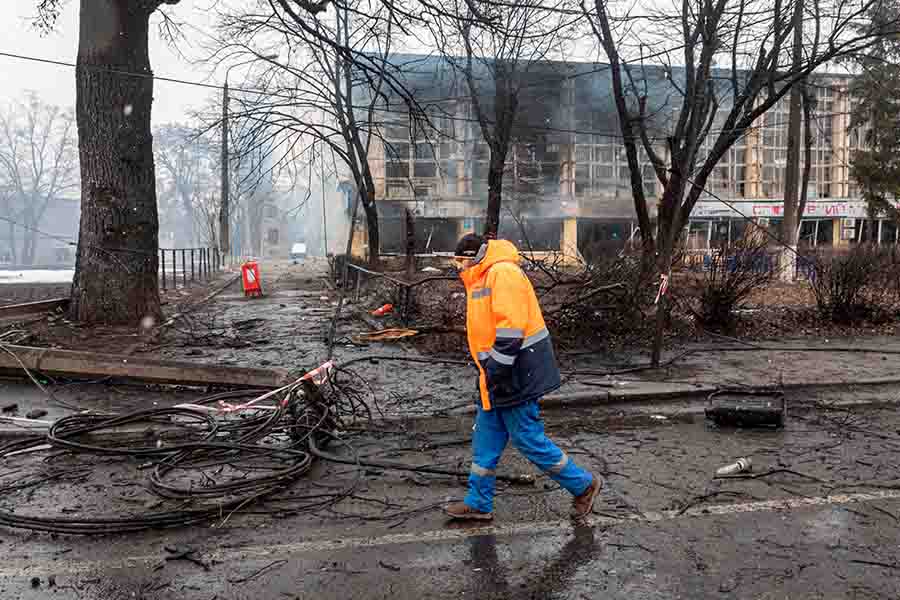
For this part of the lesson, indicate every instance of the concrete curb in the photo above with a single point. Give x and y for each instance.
(91, 365)
(637, 395)
(612, 397)
(831, 384)
(604, 397)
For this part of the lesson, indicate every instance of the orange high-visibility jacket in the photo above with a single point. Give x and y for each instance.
(507, 335)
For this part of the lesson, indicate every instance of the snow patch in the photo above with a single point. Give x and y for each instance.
(37, 276)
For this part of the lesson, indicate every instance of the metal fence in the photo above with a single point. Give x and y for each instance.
(186, 265)
(701, 260)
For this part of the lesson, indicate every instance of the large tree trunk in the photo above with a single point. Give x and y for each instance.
(28, 247)
(187, 226)
(30, 250)
(410, 246)
(663, 308)
(256, 226)
(13, 252)
(372, 226)
(495, 193)
(791, 223)
(116, 278)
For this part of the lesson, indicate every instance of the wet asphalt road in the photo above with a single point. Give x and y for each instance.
(822, 524)
(829, 551)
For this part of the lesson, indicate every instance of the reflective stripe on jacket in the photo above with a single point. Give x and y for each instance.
(507, 335)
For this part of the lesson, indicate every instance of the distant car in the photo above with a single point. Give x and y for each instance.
(298, 251)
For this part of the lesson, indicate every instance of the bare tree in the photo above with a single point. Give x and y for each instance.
(37, 167)
(325, 92)
(189, 184)
(254, 160)
(116, 270)
(206, 220)
(738, 61)
(495, 47)
(187, 162)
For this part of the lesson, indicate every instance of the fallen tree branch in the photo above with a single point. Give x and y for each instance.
(772, 472)
(257, 573)
(588, 296)
(875, 563)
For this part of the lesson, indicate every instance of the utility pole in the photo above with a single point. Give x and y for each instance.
(324, 216)
(225, 207)
(792, 201)
(224, 230)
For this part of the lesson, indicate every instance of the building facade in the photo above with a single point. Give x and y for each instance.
(567, 183)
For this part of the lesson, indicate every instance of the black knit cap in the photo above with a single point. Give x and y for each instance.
(469, 245)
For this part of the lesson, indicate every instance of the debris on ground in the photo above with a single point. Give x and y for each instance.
(747, 408)
(207, 460)
(741, 465)
(186, 554)
(383, 310)
(384, 335)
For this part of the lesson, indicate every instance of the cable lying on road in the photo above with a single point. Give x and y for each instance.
(202, 442)
(210, 459)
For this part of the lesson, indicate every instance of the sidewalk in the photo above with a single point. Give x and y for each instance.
(287, 329)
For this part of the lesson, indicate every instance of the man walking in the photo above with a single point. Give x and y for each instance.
(511, 346)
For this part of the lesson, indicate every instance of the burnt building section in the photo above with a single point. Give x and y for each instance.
(566, 184)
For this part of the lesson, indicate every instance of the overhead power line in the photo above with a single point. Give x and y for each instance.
(397, 111)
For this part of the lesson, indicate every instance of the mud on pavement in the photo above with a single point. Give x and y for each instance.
(817, 517)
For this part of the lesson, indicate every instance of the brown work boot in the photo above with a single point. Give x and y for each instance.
(583, 504)
(463, 512)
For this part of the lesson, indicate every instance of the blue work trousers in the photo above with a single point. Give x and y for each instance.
(523, 425)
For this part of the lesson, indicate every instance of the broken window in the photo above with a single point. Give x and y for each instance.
(424, 169)
(397, 170)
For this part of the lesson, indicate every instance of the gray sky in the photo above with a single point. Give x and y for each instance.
(56, 84)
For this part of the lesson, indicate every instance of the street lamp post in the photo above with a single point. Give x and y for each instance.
(224, 229)
(225, 205)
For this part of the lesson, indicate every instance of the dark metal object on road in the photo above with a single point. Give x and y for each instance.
(747, 408)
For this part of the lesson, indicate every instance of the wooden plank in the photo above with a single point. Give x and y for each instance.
(71, 363)
(32, 308)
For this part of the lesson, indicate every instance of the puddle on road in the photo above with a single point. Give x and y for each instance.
(829, 526)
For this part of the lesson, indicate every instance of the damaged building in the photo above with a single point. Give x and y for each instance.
(567, 182)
